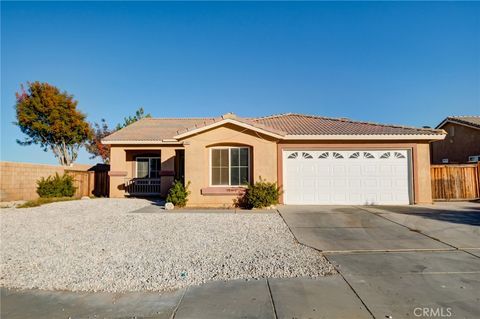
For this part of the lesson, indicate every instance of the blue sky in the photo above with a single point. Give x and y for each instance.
(401, 63)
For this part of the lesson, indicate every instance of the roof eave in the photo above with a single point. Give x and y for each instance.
(142, 142)
(430, 137)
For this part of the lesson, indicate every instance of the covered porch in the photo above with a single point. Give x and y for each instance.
(148, 171)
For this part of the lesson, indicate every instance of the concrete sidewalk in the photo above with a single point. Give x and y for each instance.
(325, 297)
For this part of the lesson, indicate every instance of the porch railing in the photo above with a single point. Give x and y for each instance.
(142, 186)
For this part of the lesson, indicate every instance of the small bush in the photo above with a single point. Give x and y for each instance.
(261, 194)
(56, 186)
(178, 194)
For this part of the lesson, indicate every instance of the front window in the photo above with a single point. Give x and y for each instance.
(230, 166)
(148, 167)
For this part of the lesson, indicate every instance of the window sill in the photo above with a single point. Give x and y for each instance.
(222, 190)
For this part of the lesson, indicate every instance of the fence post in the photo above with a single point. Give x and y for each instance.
(91, 183)
(478, 179)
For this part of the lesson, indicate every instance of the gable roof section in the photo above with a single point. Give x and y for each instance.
(281, 126)
(471, 121)
(232, 119)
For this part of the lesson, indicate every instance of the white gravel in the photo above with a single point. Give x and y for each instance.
(102, 245)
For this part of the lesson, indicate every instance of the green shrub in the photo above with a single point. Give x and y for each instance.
(261, 194)
(56, 186)
(178, 194)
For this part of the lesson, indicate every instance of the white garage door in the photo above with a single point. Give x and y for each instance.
(359, 177)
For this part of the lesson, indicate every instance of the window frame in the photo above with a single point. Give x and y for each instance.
(229, 148)
(149, 160)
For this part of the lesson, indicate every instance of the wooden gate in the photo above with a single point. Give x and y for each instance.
(82, 182)
(95, 181)
(455, 182)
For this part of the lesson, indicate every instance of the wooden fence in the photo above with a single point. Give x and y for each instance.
(455, 181)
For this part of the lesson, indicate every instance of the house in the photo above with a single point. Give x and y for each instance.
(315, 160)
(462, 144)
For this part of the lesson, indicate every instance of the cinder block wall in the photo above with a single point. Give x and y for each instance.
(18, 181)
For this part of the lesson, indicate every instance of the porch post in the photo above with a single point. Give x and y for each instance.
(167, 169)
(118, 171)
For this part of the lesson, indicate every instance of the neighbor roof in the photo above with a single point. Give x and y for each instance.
(281, 126)
(471, 120)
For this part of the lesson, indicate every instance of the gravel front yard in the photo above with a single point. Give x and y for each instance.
(102, 245)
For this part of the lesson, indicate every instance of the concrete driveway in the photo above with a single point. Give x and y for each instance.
(350, 229)
(454, 223)
(402, 262)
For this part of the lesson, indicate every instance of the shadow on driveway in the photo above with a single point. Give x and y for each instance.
(456, 224)
(466, 215)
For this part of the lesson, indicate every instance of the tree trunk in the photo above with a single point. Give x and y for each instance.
(66, 154)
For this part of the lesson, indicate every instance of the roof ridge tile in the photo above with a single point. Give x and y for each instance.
(357, 122)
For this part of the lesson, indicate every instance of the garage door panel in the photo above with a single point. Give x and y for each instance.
(370, 183)
(340, 197)
(339, 170)
(308, 182)
(323, 183)
(386, 197)
(308, 169)
(371, 198)
(386, 169)
(386, 183)
(369, 170)
(354, 198)
(354, 170)
(399, 170)
(323, 170)
(346, 177)
(400, 184)
(292, 170)
(323, 197)
(354, 183)
(308, 198)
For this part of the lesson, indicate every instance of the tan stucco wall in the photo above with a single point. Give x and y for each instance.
(266, 161)
(263, 156)
(118, 163)
(422, 170)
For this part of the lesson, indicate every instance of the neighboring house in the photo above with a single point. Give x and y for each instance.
(462, 144)
(315, 160)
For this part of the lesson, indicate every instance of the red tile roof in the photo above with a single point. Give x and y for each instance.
(300, 124)
(158, 129)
